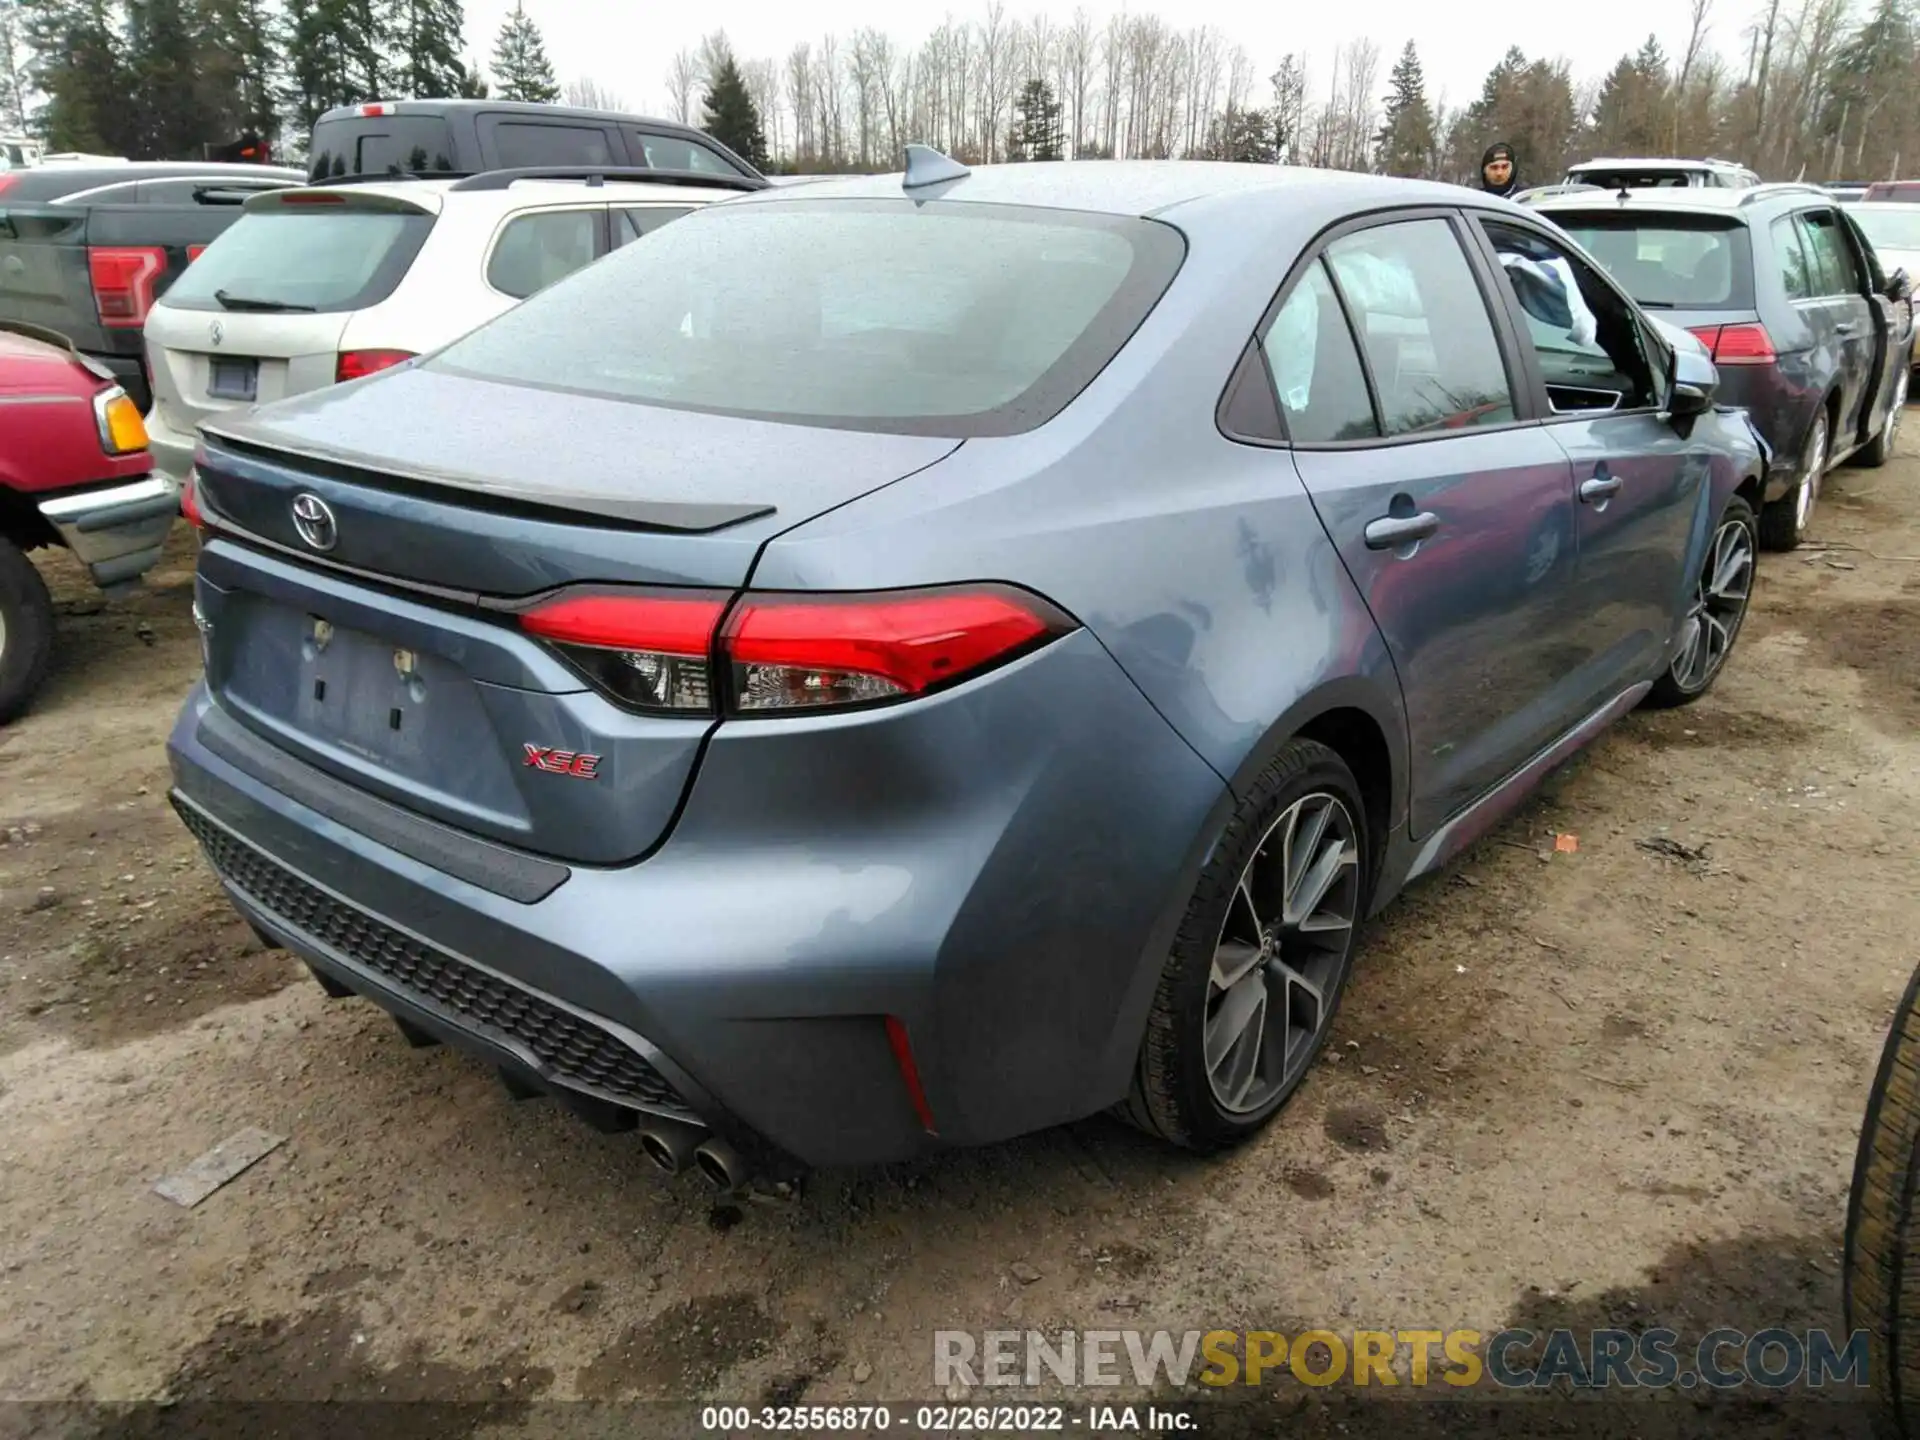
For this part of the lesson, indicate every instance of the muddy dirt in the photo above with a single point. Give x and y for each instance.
(1616, 1084)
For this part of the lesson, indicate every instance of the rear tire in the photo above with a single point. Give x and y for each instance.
(1880, 1277)
(1880, 450)
(26, 630)
(1784, 523)
(1274, 917)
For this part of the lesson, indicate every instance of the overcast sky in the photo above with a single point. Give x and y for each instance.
(627, 46)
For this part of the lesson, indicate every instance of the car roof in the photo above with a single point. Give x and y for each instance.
(1738, 205)
(37, 181)
(1655, 162)
(510, 107)
(1138, 187)
(432, 195)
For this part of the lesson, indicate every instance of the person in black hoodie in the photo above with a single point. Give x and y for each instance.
(1499, 175)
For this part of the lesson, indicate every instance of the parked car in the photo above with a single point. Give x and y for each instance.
(1846, 191)
(1660, 173)
(1808, 333)
(701, 690)
(391, 138)
(1905, 191)
(86, 249)
(73, 472)
(316, 286)
(1893, 230)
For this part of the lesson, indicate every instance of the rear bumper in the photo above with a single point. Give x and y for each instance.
(117, 531)
(172, 451)
(973, 864)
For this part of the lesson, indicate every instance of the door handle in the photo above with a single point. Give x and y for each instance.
(1390, 532)
(1600, 487)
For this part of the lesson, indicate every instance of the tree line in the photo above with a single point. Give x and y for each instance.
(1815, 88)
(161, 79)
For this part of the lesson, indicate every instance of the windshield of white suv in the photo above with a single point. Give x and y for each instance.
(876, 315)
(306, 257)
(1890, 229)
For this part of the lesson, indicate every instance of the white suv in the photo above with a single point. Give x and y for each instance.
(324, 283)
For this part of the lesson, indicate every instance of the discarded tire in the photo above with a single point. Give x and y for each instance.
(1881, 1282)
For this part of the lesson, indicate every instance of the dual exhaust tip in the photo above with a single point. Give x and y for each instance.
(675, 1148)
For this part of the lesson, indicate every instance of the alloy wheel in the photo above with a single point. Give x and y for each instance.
(1281, 945)
(1719, 605)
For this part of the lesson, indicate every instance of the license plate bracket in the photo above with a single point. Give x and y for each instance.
(233, 379)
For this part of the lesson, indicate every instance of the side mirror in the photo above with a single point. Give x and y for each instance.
(1695, 382)
(1899, 286)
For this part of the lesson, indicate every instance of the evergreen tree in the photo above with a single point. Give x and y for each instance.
(428, 33)
(165, 97)
(238, 68)
(520, 65)
(1632, 114)
(1037, 133)
(367, 38)
(79, 65)
(1872, 72)
(1529, 105)
(1246, 136)
(318, 66)
(730, 115)
(1406, 142)
(472, 85)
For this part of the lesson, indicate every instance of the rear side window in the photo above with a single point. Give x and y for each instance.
(1424, 325)
(310, 258)
(671, 152)
(380, 145)
(886, 315)
(1829, 256)
(631, 223)
(1670, 262)
(520, 145)
(1316, 371)
(533, 251)
(1795, 274)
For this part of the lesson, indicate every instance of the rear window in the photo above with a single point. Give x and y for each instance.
(1670, 262)
(306, 258)
(933, 319)
(380, 145)
(1652, 179)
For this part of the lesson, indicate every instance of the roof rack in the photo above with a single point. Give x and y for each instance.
(1766, 190)
(600, 174)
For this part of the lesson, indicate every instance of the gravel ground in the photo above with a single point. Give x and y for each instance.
(1615, 1085)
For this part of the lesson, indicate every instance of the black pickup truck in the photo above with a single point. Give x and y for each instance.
(86, 249)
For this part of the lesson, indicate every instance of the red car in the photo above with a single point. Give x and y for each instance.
(74, 471)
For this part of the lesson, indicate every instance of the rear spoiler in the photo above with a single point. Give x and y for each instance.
(300, 196)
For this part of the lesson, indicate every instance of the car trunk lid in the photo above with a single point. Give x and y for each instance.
(392, 657)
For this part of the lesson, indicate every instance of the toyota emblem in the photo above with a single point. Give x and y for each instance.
(216, 332)
(313, 518)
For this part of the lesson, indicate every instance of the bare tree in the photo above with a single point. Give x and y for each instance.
(806, 141)
(589, 94)
(1077, 54)
(867, 74)
(683, 85)
(993, 92)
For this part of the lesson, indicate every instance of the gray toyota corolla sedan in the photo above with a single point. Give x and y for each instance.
(899, 662)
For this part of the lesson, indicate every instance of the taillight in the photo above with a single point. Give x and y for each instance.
(647, 650)
(807, 651)
(1746, 343)
(123, 277)
(779, 653)
(356, 363)
(194, 252)
(8, 179)
(373, 109)
(190, 500)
